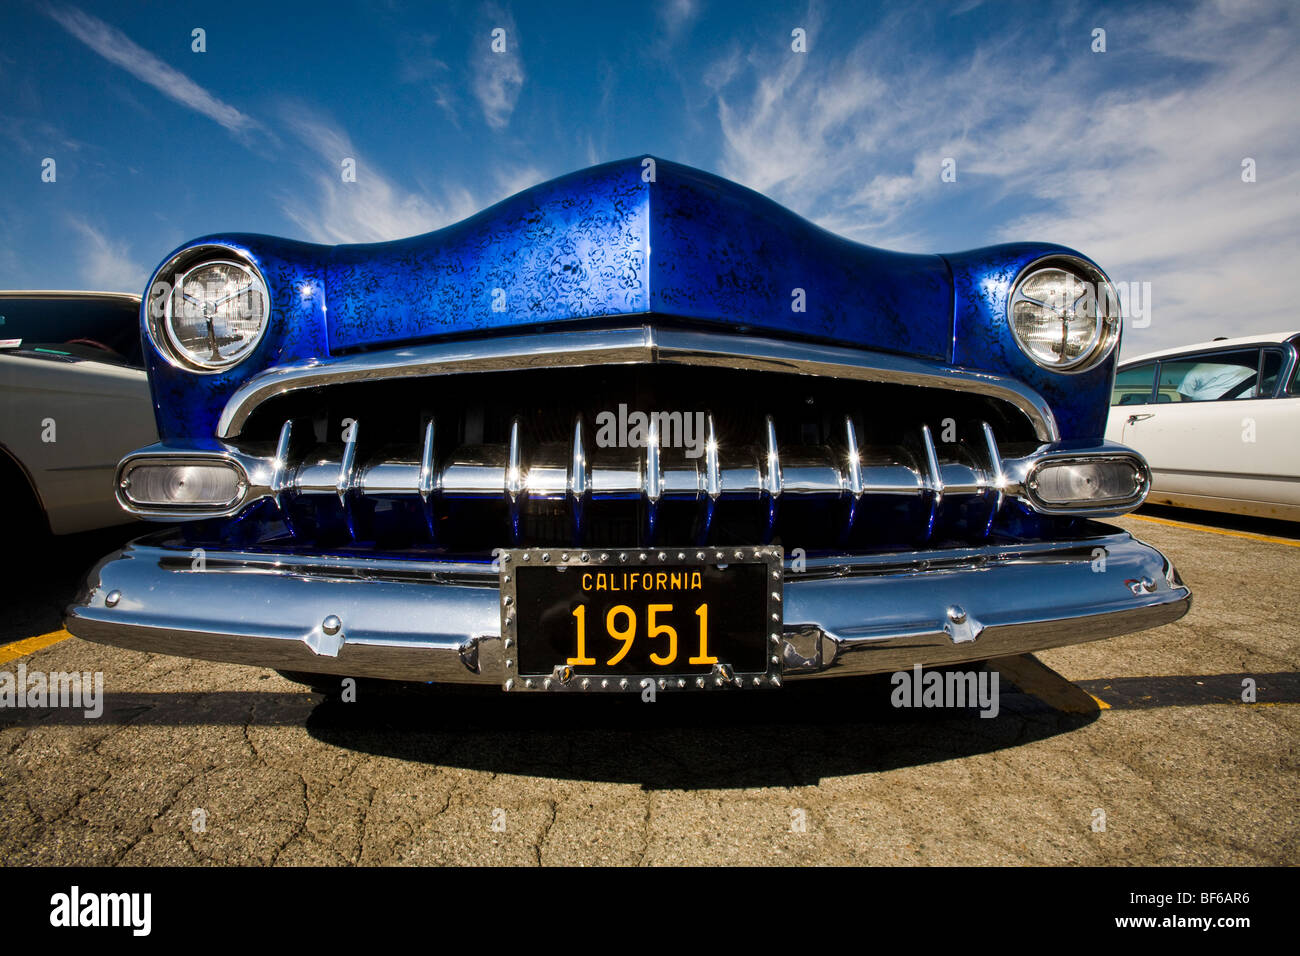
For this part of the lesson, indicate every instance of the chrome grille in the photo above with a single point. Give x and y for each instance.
(866, 468)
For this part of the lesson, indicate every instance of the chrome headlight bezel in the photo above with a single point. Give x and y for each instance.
(1101, 340)
(160, 302)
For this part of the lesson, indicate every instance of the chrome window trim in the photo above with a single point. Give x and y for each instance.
(1284, 372)
(643, 345)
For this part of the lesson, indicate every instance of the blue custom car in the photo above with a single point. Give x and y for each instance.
(637, 427)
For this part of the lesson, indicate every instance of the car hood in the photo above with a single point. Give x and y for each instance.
(633, 237)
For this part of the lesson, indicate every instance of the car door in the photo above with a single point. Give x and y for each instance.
(1134, 390)
(68, 422)
(1214, 429)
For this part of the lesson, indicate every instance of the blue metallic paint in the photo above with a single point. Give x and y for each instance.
(605, 242)
(186, 404)
(982, 340)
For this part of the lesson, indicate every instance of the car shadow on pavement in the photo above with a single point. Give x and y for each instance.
(798, 736)
(717, 740)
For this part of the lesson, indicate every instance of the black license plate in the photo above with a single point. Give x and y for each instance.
(674, 619)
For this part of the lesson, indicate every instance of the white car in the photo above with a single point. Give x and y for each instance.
(1218, 422)
(74, 398)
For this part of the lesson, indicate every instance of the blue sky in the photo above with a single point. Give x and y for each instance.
(1132, 155)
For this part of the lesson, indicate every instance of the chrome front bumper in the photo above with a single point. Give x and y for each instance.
(436, 621)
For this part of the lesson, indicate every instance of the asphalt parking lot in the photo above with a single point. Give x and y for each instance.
(1136, 750)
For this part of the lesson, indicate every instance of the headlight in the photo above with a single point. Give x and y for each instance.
(1064, 313)
(207, 308)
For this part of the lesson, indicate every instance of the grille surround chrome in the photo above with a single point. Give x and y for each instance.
(643, 345)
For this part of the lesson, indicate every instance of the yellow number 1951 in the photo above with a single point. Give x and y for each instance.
(620, 624)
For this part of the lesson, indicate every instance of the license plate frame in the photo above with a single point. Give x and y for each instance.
(526, 675)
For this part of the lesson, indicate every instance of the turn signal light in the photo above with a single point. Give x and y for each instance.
(163, 484)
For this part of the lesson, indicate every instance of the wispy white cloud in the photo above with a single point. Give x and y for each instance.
(371, 209)
(498, 76)
(676, 14)
(106, 264)
(116, 47)
(1144, 177)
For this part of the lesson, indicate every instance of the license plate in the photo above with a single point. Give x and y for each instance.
(641, 621)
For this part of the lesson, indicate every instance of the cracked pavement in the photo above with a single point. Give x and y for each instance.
(822, 772)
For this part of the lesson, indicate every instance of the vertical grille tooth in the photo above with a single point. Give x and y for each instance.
(281, 477)
(854, 476)
(283, 474)
(712, 479)
(579, 480)
(771, 477)
(343, 485)
(653, 478)
(429, 475)
(996, 474)
(934, 479)
(854, 462)
(514, 478)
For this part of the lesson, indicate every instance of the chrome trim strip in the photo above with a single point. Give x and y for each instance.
(162, 544)
(644, 345)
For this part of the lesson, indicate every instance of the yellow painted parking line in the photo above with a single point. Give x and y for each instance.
(1249, 536)
(30, 645)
